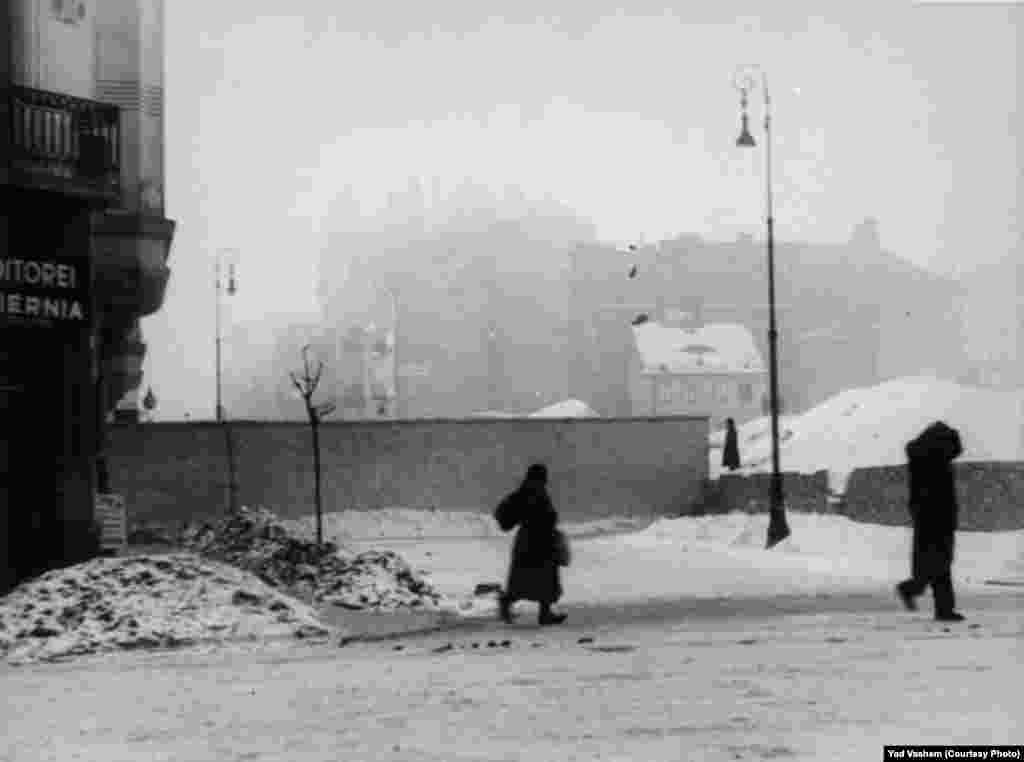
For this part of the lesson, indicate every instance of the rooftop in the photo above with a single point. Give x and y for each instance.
(712, 348)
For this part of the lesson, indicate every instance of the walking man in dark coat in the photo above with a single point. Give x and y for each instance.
(533, 573)
(731, 452)
(933, 510)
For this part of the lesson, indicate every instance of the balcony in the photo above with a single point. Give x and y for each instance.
(65, 144)
(130, 261)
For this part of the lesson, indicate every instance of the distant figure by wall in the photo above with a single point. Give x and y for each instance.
(731, 452)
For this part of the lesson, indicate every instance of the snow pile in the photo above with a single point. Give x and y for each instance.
(108, 604)
(255, 540)
(871, 426)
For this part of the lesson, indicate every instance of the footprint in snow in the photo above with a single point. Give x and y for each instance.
(613, 649)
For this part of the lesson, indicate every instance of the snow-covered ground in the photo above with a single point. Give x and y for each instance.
(723, 680)
(871, 426)
(701, 557)
(411, 523)
(614, 562)
(808, 687)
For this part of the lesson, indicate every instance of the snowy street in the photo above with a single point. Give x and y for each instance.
(702, 680)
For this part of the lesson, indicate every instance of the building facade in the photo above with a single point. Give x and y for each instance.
(84, 247)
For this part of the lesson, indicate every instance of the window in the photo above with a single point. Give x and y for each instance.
(665, 391)
(723, 392)
(691, 393)
(746, 393)
(69, 11)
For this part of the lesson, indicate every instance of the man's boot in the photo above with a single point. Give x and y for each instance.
(945, 603)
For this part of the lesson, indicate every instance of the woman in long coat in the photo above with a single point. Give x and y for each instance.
(533, 573)
(933, 511)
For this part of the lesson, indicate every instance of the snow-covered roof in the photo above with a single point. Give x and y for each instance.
(712, 348)
(566, 409)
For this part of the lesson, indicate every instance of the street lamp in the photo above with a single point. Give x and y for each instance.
(745, 80)
(231, 288)
(396, 380)
(218, 288)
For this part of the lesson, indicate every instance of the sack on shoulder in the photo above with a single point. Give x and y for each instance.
(505, 513)
(563, 556)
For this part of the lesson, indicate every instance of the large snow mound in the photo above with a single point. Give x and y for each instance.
(870, 427)
(257, 541)
(168, 600)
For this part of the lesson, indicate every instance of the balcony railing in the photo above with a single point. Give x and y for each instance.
(63, 143)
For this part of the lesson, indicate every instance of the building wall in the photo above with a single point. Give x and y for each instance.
(46, 394)
(990, 495)
(129, 74)
(54, 45)
(716, 395)
(109, 51)
(177, 471)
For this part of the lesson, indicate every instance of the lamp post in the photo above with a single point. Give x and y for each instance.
(396, 380)
(221, 417)
(745, 80)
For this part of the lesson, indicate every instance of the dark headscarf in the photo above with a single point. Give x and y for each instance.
(937, 442)
(537, 474)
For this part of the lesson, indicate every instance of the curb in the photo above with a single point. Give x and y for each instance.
(446, 624)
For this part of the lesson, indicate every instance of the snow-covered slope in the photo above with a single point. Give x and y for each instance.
(870, 426)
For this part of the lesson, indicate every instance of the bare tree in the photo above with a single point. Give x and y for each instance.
(307, 384)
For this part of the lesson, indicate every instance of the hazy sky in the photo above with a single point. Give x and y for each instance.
(906, 112)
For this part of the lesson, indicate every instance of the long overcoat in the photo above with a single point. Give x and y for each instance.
(933, 501)
(533, 571)
(731, 451)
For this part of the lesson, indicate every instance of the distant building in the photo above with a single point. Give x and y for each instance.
(481, 317)
(848, 314)
(714, 370)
